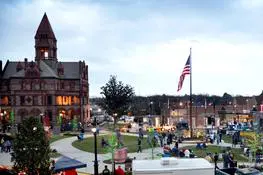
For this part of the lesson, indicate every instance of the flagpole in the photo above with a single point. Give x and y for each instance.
(191, 98)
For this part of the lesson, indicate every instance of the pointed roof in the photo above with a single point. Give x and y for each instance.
(45, 28)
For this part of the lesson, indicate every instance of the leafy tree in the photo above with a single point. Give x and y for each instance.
(116, 97)
(254, 143)
(226, 98)
(31, 148)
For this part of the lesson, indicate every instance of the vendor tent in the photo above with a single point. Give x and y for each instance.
(66, 163)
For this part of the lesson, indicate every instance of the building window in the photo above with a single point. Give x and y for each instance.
(46, 54)
(22, 100)
(49, 100)
(35, 100)
(72, 85)
(43, 36)
(61, 85)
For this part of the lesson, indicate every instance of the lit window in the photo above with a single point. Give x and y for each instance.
(46, 54)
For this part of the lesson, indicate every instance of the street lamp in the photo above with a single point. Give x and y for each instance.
(94, 130)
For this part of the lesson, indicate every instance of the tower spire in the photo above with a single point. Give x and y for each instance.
(45, 41)
(45, 28)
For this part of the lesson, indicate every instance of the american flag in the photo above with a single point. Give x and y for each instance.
(186, 71)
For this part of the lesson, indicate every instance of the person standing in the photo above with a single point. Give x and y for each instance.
(218, 139)
(177, 144)
(139, 145)
(220, 136)
(231, 160)
(106, 171)
(119, 171)
(2, 144)
(8, 146)
(140, 133)
(225, 159)
(169, 138)
(161, 139)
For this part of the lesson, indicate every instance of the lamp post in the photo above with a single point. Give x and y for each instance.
(96, 165)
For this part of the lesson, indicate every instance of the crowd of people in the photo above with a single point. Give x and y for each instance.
(5, 145)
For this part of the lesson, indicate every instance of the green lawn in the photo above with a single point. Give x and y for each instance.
(227, 138)
(129, 141)
(237, 152)
(57, 137)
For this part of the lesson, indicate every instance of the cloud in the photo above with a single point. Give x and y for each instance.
(147, 44)
(249, 4)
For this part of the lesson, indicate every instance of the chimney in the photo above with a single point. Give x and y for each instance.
(1, 68)
(26, 63)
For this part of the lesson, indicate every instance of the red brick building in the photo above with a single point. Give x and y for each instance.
(45, 86)
(204, 116)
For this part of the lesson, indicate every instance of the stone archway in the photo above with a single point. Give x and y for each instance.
(35, 112)
(22, 113)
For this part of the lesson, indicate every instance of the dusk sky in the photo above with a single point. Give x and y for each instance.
(146, 42)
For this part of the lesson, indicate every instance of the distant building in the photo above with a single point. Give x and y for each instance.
(205, 115)
(46, 86)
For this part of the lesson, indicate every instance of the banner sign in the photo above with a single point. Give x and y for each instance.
(120, 155)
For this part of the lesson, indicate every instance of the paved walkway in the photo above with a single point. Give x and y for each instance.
(64, 147)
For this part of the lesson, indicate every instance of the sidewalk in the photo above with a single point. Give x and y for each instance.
(64, 147)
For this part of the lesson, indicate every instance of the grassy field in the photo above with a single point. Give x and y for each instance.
(129, 141)
(57, 137)
(237, 152)
(227, 138)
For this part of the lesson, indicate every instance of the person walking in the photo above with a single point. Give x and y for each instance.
(8, 146)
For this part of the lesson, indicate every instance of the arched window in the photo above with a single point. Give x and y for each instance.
(46, 54)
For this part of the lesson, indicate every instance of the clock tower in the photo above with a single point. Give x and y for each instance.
(45, 41)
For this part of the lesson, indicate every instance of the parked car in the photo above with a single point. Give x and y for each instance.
(248, 171)
(237, 171)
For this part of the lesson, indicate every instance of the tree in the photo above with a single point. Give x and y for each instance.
(31, 148)
(254, 143)
(116, 97)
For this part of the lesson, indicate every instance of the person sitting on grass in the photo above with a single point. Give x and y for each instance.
(199, 146)
(167, 149)
(80, 136)
(104, 143)
(175, 151)
(204, 145)
(187, 153)
(181, 153)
